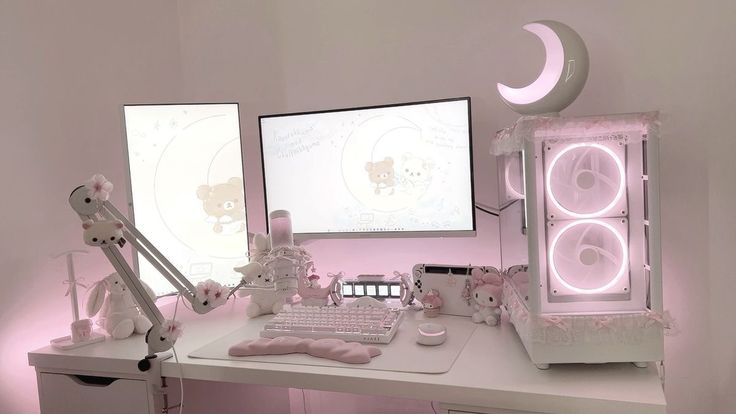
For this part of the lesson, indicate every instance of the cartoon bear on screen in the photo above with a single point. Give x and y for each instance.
(415, 172)
(224, 204)
(382, 174)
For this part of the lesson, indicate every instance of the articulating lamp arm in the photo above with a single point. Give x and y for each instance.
(89, 208)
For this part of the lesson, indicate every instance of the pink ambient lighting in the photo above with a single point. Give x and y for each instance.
(547, 80)
(619, 193)
(619, 274)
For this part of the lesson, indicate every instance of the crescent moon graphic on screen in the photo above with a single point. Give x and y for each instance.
(563, 75)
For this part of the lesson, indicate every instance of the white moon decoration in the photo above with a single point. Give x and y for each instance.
(563, 76)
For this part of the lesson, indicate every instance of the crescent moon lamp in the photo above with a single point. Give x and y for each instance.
(563, 75)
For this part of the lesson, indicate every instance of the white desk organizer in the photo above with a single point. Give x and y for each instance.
(580, 236)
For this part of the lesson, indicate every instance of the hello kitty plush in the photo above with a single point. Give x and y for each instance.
(486, 293)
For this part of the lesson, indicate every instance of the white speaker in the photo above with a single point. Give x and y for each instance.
(591, 288)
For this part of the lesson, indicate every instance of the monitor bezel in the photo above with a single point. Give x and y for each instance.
(129, 184)
(379, 234)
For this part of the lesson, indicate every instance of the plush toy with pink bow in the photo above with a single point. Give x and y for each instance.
(486, 293)
(432, 303)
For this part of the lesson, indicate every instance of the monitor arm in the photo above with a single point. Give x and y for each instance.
(90, 208)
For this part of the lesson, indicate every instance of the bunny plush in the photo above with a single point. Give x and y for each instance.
(486, 293)
(264, 301)
(119, 313)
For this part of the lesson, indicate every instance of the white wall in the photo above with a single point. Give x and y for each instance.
(721, 140)
(665, 55)
(66, 67)
(64, 70)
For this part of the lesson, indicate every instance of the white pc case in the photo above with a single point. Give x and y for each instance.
(581, 250)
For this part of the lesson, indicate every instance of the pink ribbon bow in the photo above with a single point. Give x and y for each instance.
(339, 274)
(485, 278)
(604, 322)
(664, 319)
(73, 284)
(554, 320)
(399, 275)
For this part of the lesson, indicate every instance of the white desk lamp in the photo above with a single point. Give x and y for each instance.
(90, 208)
(563, 75)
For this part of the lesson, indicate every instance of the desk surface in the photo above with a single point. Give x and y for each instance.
(492, 371)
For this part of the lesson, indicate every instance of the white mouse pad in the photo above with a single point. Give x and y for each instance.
(403, 354)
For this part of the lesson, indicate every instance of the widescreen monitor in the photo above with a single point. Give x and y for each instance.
(401, 170)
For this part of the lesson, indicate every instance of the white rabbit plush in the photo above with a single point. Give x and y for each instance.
(264, 301)
(119, 313)
(261, 247)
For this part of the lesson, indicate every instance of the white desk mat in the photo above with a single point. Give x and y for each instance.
(403, 354)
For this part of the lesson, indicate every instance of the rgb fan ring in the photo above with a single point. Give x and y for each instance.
(609, 229)
(585, 179)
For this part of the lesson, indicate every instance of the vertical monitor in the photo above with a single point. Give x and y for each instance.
(402, 170)
(186, 189)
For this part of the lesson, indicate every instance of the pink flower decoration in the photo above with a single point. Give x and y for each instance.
(98, 187)
(171, 330)
(214, 293)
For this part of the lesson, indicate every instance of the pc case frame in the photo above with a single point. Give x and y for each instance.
(604, 329)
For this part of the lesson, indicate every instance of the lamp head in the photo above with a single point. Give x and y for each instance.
(562, 78)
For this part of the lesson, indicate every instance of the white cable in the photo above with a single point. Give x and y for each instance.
(176, 358)
(304, 401)
(181, 381)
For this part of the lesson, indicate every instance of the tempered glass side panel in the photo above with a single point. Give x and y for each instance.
(514, 247)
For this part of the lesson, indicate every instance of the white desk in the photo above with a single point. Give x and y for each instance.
(493, 371)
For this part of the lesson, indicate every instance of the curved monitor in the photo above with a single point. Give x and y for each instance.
(402, 170)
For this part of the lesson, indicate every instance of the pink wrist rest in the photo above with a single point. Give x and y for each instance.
(328, 348)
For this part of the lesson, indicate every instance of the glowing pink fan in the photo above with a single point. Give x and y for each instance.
(585, 180)
(588, 256)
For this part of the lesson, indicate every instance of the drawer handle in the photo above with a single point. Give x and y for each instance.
(93, 380)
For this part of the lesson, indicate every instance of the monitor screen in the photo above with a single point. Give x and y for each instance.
(395, 170)
(186, 189)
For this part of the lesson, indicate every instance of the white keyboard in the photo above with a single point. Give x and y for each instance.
(351, 324)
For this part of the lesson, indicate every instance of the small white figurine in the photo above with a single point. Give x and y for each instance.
(103, 233)
(119, 313)
(265, 299)
(312, 292)
(432, 303)
(486, 293)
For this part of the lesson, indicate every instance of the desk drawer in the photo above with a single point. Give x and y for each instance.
(459, 409)
(67, 394)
